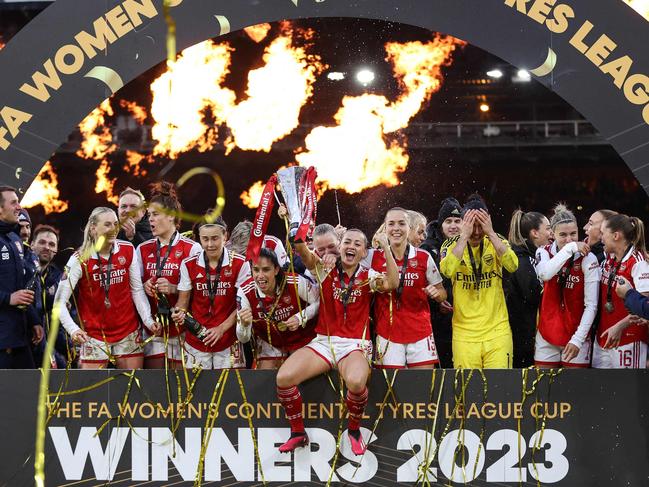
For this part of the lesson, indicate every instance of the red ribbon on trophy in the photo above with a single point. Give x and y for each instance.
(262, 217)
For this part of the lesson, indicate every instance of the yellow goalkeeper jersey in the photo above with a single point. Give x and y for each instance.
(479, 308)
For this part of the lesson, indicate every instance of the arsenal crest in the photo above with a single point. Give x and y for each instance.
(413, 264)
(179, 254)
(121, 259)
(488, 259)
(286, 300)
(578, 266)
(227, 272)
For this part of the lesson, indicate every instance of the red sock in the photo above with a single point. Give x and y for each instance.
(356, 406)
(291, 400)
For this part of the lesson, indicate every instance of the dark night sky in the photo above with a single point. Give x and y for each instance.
(533, 178)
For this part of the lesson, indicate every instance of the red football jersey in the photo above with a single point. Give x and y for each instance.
(181, 248)
(332, 318)
(559, 319)
(102, 323)
(634, 268)
(297, 294)
(193, 277)
(411, 318)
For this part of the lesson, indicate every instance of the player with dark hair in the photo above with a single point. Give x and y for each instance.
(621, 341)
(593, 229)
(475, 261)
(281, 307)
(343, 335)
(160, 260)
(209, 282)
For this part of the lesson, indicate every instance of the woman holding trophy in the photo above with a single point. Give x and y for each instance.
(343, 335)
(279, 307)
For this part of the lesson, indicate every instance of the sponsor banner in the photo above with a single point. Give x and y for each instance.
(497, 428)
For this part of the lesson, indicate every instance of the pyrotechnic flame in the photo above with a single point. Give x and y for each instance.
(276, 93)
(183, 94)
(257, 32)
(133, 166)
(2, 44)
(105, 183)
(97, 140)
(138, 112)
(640, 6)
(252, 197)
(44, 191)
(354, 154)
(190, 91)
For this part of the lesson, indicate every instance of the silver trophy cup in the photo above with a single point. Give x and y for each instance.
(290, 182)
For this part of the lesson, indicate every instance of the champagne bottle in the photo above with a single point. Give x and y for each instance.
(194, 327)
(31, 285)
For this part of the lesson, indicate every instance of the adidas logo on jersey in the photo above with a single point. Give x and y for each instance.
(4, 249)
(150, 256)
(199, 275)
(95, 267)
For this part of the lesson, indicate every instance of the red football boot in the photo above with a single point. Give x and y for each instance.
(357, 442)
(297, 440)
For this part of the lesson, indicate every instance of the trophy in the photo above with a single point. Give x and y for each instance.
(292, 187)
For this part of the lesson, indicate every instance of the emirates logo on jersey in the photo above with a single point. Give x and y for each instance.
(121, 259)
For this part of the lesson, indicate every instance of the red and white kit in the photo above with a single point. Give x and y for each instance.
(150, 257)
(276, 245)
(404, 334)
(343, 328)
(108, 292)
(193, 277)
(568, 305)
(299, 298)
(632, 350)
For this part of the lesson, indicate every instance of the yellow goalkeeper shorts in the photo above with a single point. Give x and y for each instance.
(496, 353)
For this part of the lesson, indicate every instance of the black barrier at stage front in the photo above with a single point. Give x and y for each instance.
(75, 54)
(577, 428)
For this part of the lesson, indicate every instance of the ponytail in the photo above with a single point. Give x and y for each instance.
(638, 240)
(631, 227)
(515, 237)
(164, 194)
(522, 224)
